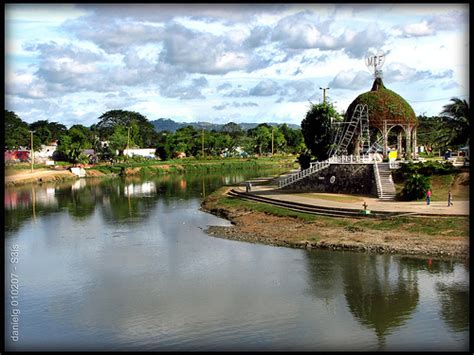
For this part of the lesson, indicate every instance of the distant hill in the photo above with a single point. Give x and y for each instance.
(166, 124)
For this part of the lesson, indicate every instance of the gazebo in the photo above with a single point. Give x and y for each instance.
(388, 111)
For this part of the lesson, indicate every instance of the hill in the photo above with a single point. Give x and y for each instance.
(166, 124)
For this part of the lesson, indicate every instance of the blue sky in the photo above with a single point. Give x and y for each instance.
(221, 63)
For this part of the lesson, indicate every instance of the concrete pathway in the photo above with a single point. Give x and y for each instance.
(355, 202)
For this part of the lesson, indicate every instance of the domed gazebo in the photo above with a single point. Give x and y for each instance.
(387, 111)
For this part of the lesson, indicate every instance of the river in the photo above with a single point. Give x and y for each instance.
(125, 264)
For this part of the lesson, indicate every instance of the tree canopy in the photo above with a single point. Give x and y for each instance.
(317, 130)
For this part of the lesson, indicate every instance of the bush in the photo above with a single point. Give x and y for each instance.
(415, 187)
(304, 159)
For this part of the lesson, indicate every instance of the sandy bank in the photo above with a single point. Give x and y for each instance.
(412, 237)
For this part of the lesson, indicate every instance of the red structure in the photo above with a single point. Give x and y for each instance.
(17, 155)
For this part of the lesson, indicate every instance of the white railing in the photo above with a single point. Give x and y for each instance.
(350, 159)
(378, 183)
(320, 165)
(393, 164)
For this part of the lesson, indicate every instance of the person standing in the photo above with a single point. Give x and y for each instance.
(450, 198)
(428, 196)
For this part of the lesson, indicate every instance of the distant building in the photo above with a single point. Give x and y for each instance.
(20, 155)
(46, 152)
(142, 152)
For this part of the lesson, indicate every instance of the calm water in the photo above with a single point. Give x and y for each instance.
(125, 264)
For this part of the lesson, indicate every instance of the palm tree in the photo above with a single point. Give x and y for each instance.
(456, 116)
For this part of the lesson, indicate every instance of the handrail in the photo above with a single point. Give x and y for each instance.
(319, 165)
(378, 183)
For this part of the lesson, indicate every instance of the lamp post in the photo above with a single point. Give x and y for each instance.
(32, 151)
(324, 94)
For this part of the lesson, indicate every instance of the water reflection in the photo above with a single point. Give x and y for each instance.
(382, 292)
(120, 200)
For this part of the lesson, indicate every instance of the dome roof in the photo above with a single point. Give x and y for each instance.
(384, 105)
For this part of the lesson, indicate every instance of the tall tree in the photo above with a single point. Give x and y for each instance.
(147, 136)
(16, 131)
(317, 130)
(456, 115)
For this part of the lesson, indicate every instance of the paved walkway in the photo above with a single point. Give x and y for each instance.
(355, 202)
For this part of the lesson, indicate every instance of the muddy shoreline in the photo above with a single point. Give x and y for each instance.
(257, 227)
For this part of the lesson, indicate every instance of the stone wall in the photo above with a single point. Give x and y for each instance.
(339, 178)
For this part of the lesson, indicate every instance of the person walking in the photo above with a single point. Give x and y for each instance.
(450, 198)
(428, 196)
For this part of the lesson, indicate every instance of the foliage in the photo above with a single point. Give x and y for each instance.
(317, 130)
(433, 133)
(456, 117)
(415, 187)
(383, 104)
(304, 159)
(427, 168)
(16, 132)
(145, 135)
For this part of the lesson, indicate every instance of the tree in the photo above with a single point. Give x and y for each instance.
(119, 139)
(16, 131)
(48, 131)
(146, 136)
(262, 137)
(415, 186)
(433, 133)
(456, 116)
(317, 130)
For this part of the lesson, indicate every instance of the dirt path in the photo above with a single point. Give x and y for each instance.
(38, 176)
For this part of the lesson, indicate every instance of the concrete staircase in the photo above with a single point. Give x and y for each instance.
(385, 186)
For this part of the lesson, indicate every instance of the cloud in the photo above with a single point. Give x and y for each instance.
(265, 88)
(357, 44)
(224, 86)
(350, 80)
(237, 93)
(186, 92)
(259, 36)
(401, 72)
(429, 26)
(225, 105)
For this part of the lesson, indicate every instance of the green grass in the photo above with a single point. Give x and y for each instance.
(459, 226)
(450, 226)
(193, 165)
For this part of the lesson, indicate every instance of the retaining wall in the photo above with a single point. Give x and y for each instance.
(339, 178)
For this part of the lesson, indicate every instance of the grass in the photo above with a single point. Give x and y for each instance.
(440, 185)
(193, 165)
(447, 226)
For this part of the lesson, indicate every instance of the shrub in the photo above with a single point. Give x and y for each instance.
(304, 159)
(415, 187)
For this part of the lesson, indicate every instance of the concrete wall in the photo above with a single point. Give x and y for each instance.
(348, 179)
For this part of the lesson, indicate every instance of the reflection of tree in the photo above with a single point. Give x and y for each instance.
(324, 274)
(429, 265)
(109, 194)
(81, 203)
(454, 301)
(376, 298)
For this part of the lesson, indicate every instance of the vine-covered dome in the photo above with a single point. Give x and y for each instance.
(383, 104)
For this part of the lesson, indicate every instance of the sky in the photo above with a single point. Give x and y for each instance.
(225, 63)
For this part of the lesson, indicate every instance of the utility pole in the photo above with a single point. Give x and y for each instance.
(202, 142)
(272, 140)
(32, 151)
(324, 94)
(128, 142)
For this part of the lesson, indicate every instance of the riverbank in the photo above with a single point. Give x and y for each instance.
(256, 222)
(20, 175)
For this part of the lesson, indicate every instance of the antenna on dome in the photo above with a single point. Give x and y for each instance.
(374, 61)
